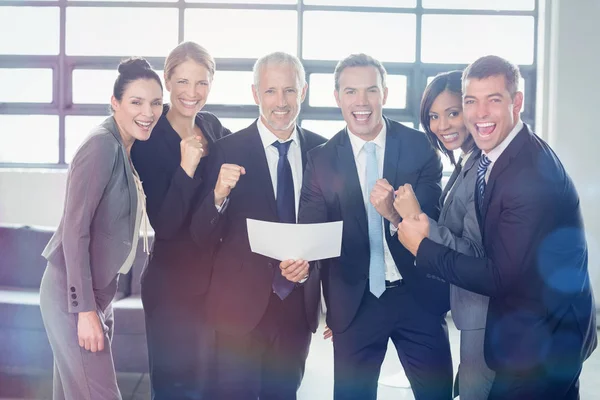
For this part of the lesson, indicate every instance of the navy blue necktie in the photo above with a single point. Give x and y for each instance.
(286, 209)
(484, 163)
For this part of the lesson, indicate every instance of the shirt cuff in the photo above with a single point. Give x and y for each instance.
(393, 229)
(221, 209)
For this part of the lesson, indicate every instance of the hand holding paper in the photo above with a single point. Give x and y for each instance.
(308, 242)
(294, 270)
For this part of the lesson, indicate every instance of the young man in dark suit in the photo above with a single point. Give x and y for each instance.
(371, 293)
(541, 323)
(263, 316)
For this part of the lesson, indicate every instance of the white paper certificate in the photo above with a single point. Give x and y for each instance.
(308, 242)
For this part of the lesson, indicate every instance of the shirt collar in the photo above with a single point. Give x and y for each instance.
(358, 143)
(267, 137)
(495, 153)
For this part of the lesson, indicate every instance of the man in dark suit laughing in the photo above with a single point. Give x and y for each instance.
(541, 323)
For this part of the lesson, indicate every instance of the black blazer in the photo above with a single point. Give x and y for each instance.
(332, 192)
(536, 270)
(176, 263)
(241, 283)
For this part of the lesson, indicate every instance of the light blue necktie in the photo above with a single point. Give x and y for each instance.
(376, 262)
(484, 163)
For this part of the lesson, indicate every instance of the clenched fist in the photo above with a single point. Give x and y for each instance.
(382, 198)
(229, 175)
(406, 203)
(191, 153)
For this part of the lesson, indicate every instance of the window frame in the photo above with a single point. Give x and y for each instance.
(63, 65)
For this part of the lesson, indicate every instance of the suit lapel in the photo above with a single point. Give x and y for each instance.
(257, 161)
(500, 165)
(111, 125)
(392, 154)
(451, 187)
(352, 203)
(303, 146)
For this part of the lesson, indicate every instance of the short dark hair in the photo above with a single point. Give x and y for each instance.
(488, 66)
(446, 81)
(358, 60)
(130, 70)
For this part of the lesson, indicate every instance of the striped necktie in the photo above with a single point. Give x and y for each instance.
(484, 163)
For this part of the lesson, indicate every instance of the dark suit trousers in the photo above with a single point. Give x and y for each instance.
(180, 345)
(420, 338)
(267, 363)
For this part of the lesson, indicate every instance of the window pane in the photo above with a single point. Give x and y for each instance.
(236, 124)
(259, 31)
(95, 86)
(369, 3)
(387, 37)
(499, 5)
(112, 32)
(322, 87)
(244, 1)
(522, 89)
(324, 128)
(133, 1)
(26, 85)
(396, 91)
(77, 128)
(18, 132)
(17, 26)
(510, 37)
(232, 87)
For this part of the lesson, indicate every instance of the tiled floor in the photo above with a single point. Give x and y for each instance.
(317, 384)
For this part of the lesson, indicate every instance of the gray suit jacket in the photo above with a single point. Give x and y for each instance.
(458, 229)
(96, 230)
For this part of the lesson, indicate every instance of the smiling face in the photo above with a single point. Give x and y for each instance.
(189, 86)
(138, 110)
(278, 96)
(446, 120)
(361, 97)
(489, 110)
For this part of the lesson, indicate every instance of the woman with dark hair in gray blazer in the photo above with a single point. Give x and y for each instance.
(172, 165)
(97, 239)
(457, 227)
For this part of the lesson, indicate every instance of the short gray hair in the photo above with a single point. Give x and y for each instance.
(358, 60)
(279, 58)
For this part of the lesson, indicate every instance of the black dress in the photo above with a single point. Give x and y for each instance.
(176, 278)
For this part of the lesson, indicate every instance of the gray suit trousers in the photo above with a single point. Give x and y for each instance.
(474, 377)
(78, 373)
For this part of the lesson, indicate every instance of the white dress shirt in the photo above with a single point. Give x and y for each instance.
(294, 157)
(139, 217)
(497, 151)
(360, 158)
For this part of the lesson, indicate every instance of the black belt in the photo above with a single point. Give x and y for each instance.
(389, 285)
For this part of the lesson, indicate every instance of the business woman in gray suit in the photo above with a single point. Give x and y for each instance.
(457, 227)
(97, 239)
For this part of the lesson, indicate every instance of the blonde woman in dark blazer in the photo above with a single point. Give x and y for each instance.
(97, 239)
